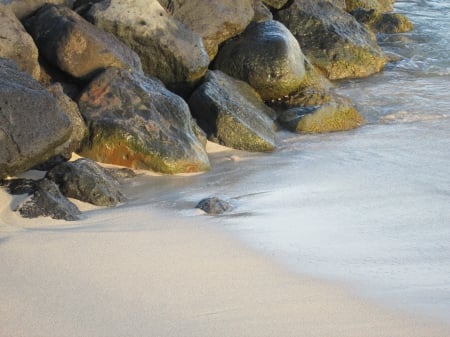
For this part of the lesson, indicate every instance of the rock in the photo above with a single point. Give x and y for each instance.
(266, 56)
(32, 124)
(214, 20)
(48, 201)
(275, 3)
(233, 114)
(87, 181)
(382, 6)
(332, 39)
(262, 13)
(17, 44)
(134, 121)
(329, 117)
(75, 45)
(20, 186)
(119, 173)
(24, 8)
(79, 129)
(214, 205)
(168, 49)
(387, 23)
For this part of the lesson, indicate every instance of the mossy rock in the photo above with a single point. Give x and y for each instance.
(378, 5)
(387, 23)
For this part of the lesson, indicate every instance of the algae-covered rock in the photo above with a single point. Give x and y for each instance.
(76, 46)
(328, 117)
(332, 39)
(167, 48)
(267, 56)
(17, 44)
(378, 5)
(135, 121)
(87, 181)
(233, 114)
(214, 20)
(387, 23)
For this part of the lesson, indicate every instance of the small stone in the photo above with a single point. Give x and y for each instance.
(214, 205)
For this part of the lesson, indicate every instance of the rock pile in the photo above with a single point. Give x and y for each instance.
(144, 83)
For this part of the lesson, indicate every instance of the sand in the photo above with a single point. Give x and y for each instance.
(137, 271)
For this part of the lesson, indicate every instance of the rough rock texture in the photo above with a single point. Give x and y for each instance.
(214, 20)
(24, 8)
(32, 124)
(262, 12)
(267, 57)
(378, 5)
(48, 201)
(214, 205)
(168, 49)
(329, 117)
(87, 181)
(19, 186)
(79, 129)
(275, 3)
(233, 114)
(17, 44)
(387, 23)
(75, 45)
(135, 121)
(332, 39)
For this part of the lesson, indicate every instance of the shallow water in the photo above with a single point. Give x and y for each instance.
(370, 207)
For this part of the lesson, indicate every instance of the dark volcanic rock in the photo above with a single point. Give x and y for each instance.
(20, 186)
(266, 56)
(32, 124)
(87, 181)
(75, 45)
(214, 205)
(17, 44)
(332, 39)
(387, 23)
(47, 200)
(168, 49)
(233, 114)
(135, 121)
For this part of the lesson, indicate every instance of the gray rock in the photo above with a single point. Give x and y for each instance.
(267, 56)
(262, 13)
(275, 3)
(233, 114)
(17, 44)
(32, 124)
(87, 181)
(48, 201)
(214, 205)
(76, 46)
(332, 39)
(24, 8)
(134, 121)
(214, 20)
(168, 49)
(19, 186)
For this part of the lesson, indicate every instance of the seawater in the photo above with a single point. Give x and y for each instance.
(369, 207)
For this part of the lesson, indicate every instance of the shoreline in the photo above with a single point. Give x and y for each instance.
(168, 275)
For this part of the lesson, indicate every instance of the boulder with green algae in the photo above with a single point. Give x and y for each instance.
(339, 115)
(267, 56)
(214, 20)
(134, 121)
(332, 39)
(167, 48)
(232, 113)
(387, 23)
(378, 5)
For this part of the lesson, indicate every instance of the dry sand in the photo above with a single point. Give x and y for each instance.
(134, 271)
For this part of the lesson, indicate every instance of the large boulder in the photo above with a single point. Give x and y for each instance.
(233, 114)
(168, 49)
(378, 5)
(75, 45)
(267, 56)
(24, 8)
(135, 121)
(214, 20)
(87, 181)
(48, 201)
(32, 124)
(332, 39)
(17, 44)
(387, 23)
